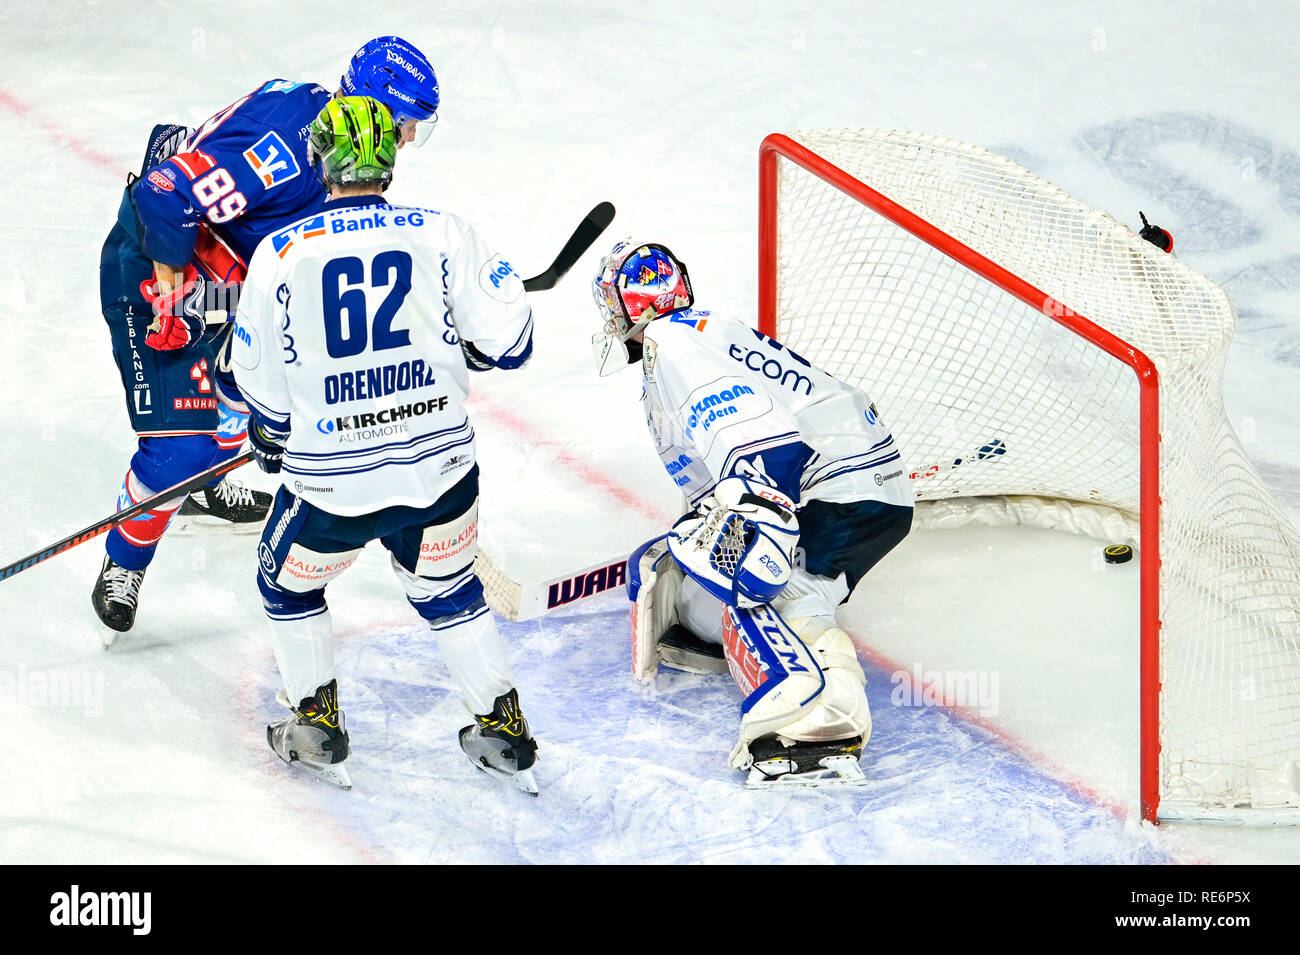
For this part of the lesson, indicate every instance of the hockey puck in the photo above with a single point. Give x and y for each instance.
(1118, 554)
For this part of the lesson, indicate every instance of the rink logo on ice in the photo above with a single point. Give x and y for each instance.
(271, 160)
(952, 689)
(78, 908)
(67, 689)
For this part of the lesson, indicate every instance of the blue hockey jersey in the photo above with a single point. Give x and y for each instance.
(243, 173)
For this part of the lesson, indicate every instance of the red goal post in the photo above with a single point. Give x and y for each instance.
(779, 148)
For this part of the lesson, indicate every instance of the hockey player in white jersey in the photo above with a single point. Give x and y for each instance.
(798, 491)
(355, 330)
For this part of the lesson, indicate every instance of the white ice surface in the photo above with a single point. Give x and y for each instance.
(1184, 110)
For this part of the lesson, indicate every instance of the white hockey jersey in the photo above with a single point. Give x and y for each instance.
(348, 336)
(722, 399)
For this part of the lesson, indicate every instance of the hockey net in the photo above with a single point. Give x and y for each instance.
(973, 301)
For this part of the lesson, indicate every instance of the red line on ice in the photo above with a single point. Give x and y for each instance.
(963, 714)
(79, 146)
(612, 489)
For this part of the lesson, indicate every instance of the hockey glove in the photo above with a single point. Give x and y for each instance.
(740, 545)
(179, 314)
(475, 360)
(1162, 239)
(267, 443)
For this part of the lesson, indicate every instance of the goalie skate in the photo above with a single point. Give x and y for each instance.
(500, 744)
(779, 764)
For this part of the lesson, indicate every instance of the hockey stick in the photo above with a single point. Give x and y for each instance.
(99, 527)
(537, 599)
(990, 449)
(588, 231)
(533, 600)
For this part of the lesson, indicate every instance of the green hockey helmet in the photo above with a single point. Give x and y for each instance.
(352, 141)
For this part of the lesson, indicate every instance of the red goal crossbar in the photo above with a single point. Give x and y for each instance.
(778, 146)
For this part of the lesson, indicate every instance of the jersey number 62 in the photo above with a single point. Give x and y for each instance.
(343, 296)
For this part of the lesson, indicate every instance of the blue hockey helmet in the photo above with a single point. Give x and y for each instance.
(398, 75)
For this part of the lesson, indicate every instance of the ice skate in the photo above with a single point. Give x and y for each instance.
(500, 743)
(782, 763)
(229, 506)
(314, 738)
(115, 598)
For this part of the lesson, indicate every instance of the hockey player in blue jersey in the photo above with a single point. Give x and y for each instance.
(169, 277)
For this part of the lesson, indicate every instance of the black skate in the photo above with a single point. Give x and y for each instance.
(314, 738)
(115, 597)
(500, 744)
(228, 506)
(779, 762)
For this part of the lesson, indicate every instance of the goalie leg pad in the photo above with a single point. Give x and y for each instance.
(842, 711)
(661, 631)
(652, 585)
(780, 677)
(765, 653)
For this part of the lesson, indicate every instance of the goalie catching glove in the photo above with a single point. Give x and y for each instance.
(740, 544)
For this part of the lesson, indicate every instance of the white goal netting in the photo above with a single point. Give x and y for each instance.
(954, 362)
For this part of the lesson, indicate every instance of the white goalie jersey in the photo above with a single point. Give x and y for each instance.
(348, 337)
(723, 399)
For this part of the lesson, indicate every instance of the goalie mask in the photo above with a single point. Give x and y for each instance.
(636, 284)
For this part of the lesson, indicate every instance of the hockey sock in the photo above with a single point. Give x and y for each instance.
(132, 543)
(304, 651)
(158, 463)
(473, 651)
(231, 432)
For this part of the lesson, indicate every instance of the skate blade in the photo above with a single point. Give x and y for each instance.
(334, 773)
(106, 636)
(526, 781)
(834, 772)
(523, 780)
(196, 524)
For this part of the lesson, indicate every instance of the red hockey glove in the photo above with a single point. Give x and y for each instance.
(179, 315)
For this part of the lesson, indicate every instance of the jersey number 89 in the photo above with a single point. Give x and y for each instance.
(216, 193)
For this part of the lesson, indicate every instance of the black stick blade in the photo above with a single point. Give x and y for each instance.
(588, 231)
